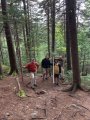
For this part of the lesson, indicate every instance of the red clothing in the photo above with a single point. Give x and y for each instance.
(32, 67)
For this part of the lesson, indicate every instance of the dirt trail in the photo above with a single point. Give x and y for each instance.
(52, 105)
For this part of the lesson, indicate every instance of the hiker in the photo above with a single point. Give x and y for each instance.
(46, 67)
(32, 68)
(56, 71)
(61, 67)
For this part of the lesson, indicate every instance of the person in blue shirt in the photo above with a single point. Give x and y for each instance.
(45, 64)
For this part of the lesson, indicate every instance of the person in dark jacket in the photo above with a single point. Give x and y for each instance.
(46, 67)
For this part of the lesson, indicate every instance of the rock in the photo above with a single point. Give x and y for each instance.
(41, 92)
(7, 114)
(34, 114)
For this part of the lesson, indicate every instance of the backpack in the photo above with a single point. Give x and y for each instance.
(56, 69)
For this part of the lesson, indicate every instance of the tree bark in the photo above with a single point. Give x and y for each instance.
(18, 52)
(9, 38)
(0, 61)
(27, 30)
(83, 63)
(53, 24)
(25, 42)
(71, 5)
(68, 48)
(48, 31)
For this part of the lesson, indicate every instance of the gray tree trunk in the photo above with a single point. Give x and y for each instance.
(8, 38)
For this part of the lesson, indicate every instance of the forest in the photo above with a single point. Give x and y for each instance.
(33, 29)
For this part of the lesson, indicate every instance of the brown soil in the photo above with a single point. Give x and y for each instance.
(51, 104)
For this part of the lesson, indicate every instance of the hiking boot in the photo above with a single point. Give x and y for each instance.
(57, 84)
(35, 85)
(33, 88)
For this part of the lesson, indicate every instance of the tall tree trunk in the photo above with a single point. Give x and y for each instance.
(9, 38)
(0, 64)
(83, 63)
(18, 52)
(33, 44)
(0, 58)
(53, 24)
(29, 22)
(68, 50)
(71, 6)
(37, 39)
(27, 30)
(0, 68)
(2, 55)
(1, 52)
(25, 42)
(48, 31)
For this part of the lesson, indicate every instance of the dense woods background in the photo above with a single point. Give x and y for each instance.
(32, 29)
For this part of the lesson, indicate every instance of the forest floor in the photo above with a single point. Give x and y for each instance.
(53, 104)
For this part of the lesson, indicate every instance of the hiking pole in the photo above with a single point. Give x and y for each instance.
(53, 70)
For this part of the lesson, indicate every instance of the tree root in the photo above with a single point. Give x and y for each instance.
(68, 89)
(13, 70)
(79, 109)
(74, 87)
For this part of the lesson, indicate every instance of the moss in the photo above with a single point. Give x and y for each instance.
(1, 77)
(5, 68)
(21, 93)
